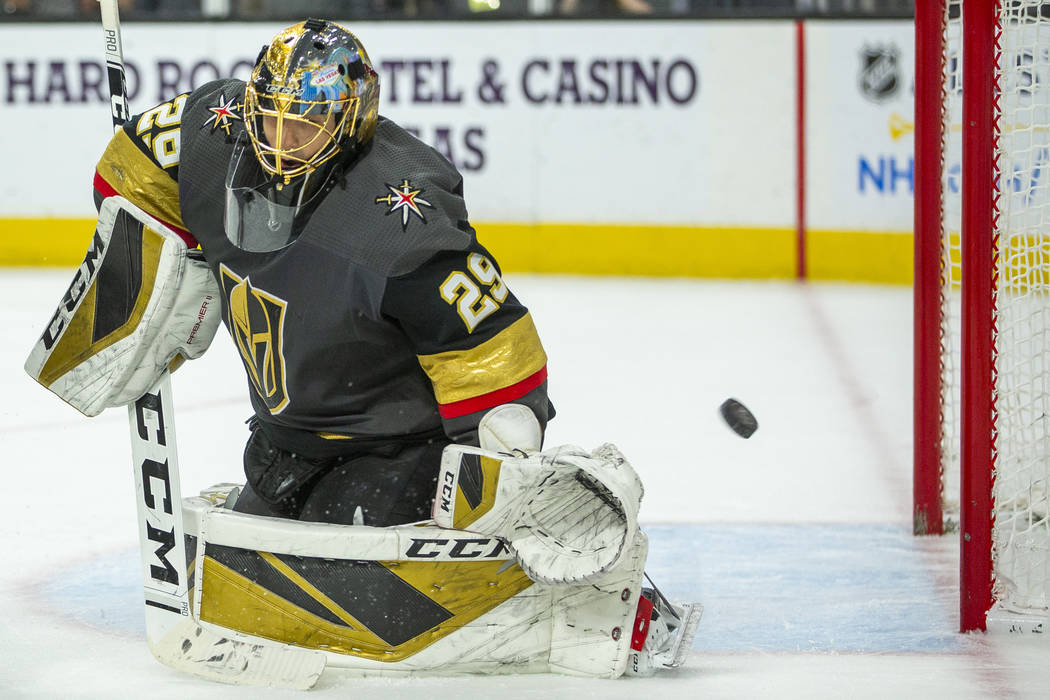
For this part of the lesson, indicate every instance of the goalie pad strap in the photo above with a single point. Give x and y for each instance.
(138, 300)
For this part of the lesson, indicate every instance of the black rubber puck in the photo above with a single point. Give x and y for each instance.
(739, 418)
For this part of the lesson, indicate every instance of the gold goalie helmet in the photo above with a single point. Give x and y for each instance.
(313, 94)
(311, 104)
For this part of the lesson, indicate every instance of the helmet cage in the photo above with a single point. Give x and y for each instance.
(331, 122)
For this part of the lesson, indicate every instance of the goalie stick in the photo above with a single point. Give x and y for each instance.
(174, 636)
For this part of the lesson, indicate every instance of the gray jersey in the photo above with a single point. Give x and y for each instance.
(384, 319)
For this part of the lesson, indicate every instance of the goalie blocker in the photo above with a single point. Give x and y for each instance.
(139, 302)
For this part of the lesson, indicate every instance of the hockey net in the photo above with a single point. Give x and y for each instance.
(982, 422)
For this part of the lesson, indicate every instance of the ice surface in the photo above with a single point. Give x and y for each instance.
(797, 540)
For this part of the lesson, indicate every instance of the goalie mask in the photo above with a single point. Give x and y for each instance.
(312, 101)
(312, 94)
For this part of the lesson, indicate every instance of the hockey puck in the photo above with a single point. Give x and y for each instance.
(739, 418)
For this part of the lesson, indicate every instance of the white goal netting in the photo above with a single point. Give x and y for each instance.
(1021, 533)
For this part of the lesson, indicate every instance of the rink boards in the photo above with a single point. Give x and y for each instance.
(651, 148)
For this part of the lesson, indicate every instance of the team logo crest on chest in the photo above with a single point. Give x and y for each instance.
(256, 322)
(405, 199)
(222, 113)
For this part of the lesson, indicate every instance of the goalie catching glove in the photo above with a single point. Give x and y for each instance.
(139, 300)
(569, 515)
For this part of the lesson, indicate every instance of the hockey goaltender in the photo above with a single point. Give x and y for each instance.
(399, 513)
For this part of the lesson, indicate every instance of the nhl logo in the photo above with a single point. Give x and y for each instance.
(879, 72)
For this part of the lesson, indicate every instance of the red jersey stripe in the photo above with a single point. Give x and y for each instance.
(493, 398)
(107, 190)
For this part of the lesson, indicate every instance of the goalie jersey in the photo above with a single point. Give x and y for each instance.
(384, 320)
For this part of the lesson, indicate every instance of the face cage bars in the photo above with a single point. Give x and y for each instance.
(270, 157)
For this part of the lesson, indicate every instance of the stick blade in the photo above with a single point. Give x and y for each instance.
(200, 652)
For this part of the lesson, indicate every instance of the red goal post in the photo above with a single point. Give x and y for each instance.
(982, 309)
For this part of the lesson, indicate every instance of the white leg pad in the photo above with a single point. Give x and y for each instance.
(591, 625)
(308, 608)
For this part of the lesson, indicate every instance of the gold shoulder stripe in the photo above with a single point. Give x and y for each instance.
(335, 436)
(139, 180)
(504, 360)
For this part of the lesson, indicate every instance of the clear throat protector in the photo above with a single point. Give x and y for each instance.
(262, 211)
